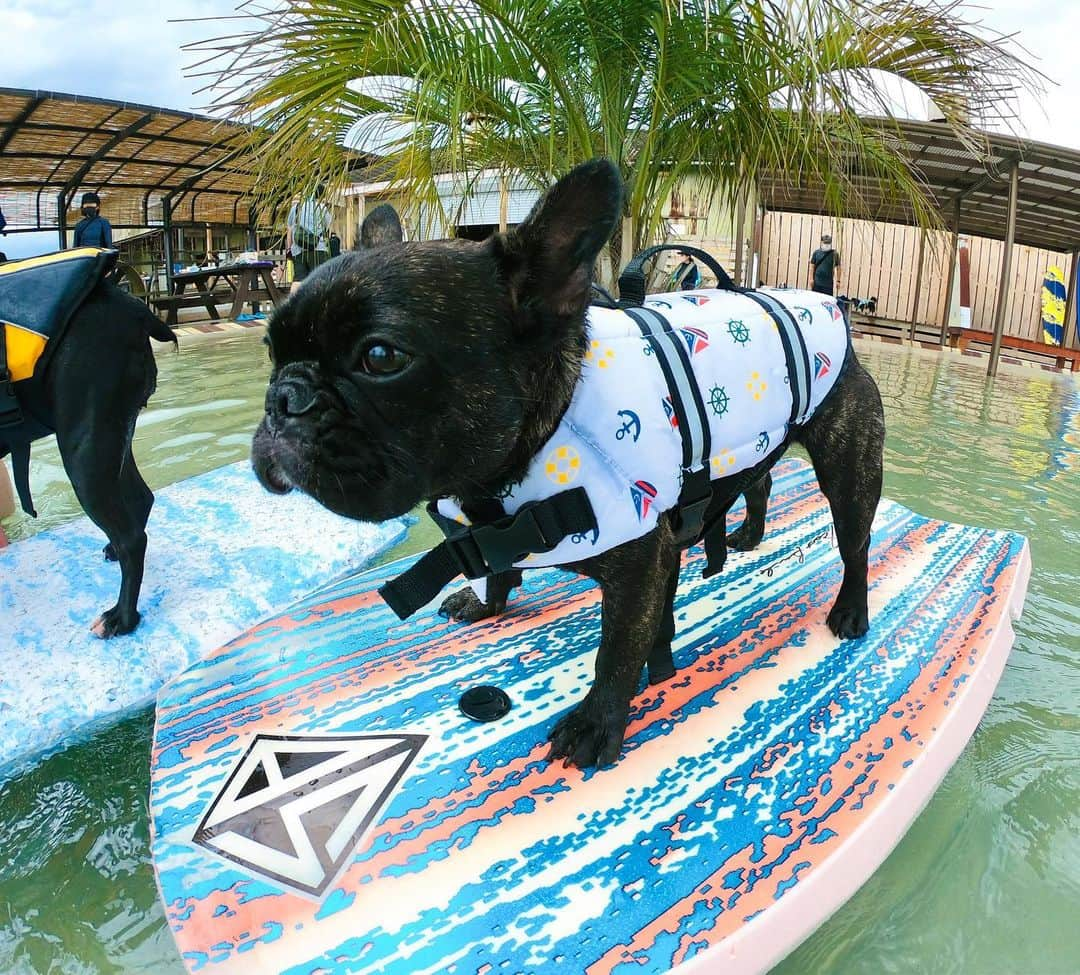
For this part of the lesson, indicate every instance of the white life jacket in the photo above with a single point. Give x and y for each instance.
(761, 361)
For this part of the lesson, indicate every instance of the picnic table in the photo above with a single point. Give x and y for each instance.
(247, 282)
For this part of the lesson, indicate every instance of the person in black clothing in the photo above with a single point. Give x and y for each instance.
(93, 230)
(825, 265)
(686, 276)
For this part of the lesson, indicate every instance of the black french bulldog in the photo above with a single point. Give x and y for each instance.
(97, 381)
(415, 371)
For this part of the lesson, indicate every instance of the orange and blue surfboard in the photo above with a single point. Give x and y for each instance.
(320, 803)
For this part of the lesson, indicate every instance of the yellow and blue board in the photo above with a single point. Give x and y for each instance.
(1053, 306)
(320, 804)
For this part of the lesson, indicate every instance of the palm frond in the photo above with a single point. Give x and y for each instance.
(729, 91)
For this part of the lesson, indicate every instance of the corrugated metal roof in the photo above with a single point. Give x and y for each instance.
(1048, 203)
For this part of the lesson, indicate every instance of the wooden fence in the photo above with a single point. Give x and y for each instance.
(881, 260)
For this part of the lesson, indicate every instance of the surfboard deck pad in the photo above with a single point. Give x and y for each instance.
(319, 803)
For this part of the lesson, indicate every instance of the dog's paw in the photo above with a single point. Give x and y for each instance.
(110, 553)
(465, 607)
(590, 735)
(849, 622)
(113, 622)
(743, 539)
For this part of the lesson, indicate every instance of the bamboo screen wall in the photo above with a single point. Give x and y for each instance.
(879, 260)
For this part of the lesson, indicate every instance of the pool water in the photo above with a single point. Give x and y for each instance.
(987, 880)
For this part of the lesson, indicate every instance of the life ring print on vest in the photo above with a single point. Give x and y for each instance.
(562, 465)
(599, 354)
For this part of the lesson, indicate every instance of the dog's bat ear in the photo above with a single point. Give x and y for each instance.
(548, 258)
(380, 227)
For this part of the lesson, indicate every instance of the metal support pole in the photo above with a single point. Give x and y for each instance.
(950, 272)
(1006, 268)
(918, 285)
(1070, 305)
(61, 218)
(166, 229)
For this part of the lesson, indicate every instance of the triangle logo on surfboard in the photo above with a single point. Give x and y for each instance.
(296, 808)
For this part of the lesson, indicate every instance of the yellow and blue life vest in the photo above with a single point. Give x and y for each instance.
(38, 297)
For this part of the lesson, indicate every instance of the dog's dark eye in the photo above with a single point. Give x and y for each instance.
(383, 360)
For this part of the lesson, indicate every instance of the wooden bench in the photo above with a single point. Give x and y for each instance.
(171, 304)
(961, 338)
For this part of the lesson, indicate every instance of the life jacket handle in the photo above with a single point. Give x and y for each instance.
(632, 279)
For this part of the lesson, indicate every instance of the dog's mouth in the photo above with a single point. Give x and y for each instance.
(277, 462)
(275, 480)
(351, 488)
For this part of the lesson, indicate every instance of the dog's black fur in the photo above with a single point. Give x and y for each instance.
(409, 372)
(89, 395)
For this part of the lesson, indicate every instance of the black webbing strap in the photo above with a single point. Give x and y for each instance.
(798, 360)
(482, 550)
(692, 419)
(10, 412)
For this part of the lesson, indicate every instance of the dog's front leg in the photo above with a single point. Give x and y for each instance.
(634, 580)
(466, 607)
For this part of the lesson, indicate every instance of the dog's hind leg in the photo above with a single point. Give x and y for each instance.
(117, 500)
(749, 534)
(660, 665)
(138, 497)
(845, 440)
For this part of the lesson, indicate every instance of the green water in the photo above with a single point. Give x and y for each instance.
(986, 882)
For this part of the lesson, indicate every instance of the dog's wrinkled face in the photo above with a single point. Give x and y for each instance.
(405, 372)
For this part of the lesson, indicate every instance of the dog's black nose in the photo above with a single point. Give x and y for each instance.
(289, 398)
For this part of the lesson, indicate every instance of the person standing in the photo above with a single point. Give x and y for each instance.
(825, 267)
(686, 275)
(93, 230)
(308, 235)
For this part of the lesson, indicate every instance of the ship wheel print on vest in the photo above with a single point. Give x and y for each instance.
(738, 331)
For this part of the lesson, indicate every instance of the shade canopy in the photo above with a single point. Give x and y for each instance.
(55, 147)
(1048, 203)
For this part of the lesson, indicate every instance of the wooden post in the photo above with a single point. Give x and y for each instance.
(504, 203)
(740, 232)
(1070, 305)
(918, 284)
(755, 244)
(1006, 268)
(951, 274)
